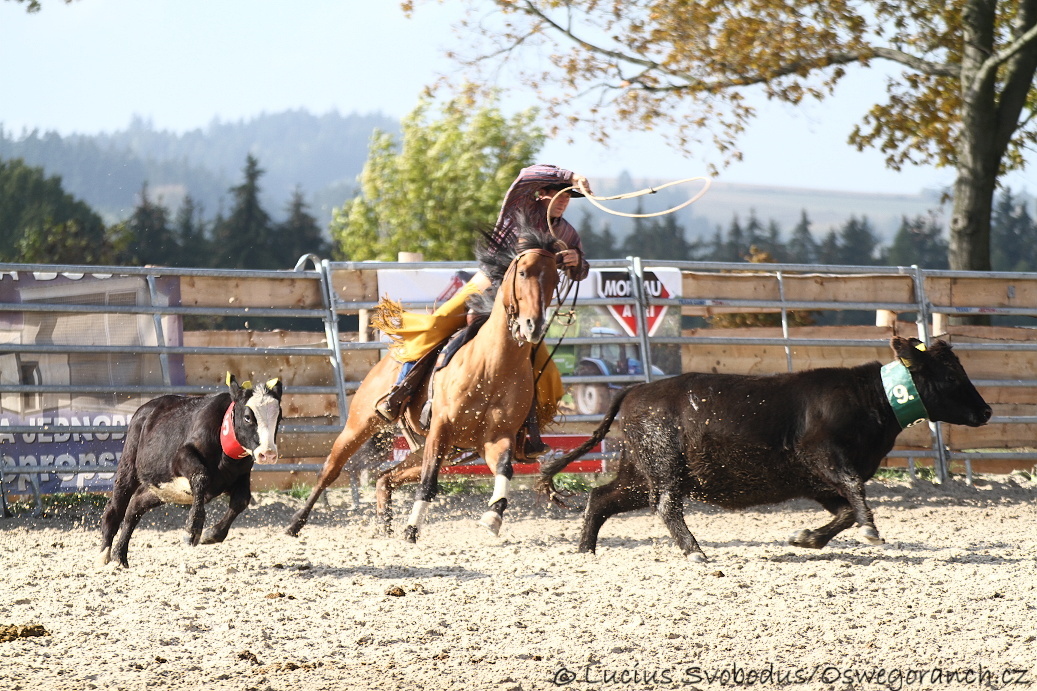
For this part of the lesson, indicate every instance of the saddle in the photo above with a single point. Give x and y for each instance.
(453, 344)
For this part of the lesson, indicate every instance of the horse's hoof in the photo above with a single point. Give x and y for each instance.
(871, 535)
(697, 557)
(410, 534)
(209, 539)
(105, 556)
(492, 521)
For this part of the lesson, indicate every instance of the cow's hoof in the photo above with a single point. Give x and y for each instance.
(871, 535)
(492, 521)
(410, 534)
(805, 538)
(697, 557)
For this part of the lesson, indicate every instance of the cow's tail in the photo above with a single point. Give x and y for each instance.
(545, 483)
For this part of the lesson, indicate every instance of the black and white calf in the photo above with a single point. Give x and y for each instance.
(188, 450)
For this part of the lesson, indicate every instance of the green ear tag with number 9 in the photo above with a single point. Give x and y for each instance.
(902, 394)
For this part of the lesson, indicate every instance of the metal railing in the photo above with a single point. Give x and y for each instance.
(335, 302)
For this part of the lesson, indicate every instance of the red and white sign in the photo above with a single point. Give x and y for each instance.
(616, 284)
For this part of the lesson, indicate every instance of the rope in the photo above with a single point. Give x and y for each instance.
(595, 200)
(640, 193)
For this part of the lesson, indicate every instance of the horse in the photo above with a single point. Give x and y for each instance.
(482, 396)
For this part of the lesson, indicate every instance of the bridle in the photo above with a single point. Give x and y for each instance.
(511, 304)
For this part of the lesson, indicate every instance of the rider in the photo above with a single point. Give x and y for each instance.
(537, 191)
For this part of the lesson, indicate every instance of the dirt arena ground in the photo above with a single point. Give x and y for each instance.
(951, 593)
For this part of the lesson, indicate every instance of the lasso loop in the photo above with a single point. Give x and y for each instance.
(595, 200)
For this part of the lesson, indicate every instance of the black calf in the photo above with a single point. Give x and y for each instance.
(188, 450)
(738, 441)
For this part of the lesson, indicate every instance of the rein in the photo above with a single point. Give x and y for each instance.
(511, 306)
(511, 309)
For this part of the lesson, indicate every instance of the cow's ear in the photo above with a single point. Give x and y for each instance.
(274, 387)
(235, 388)
(910, 351)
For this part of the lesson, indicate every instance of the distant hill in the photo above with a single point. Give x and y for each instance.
(324, 154)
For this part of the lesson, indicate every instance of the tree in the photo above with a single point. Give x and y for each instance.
(1013, 235)
(858, 243)
(829, 251)
(802, 247)
(658, 238)
(597, 245)
(32, 6)
(964, 95)
(40, 222)
(299, 234)
(244, 240)
(439, 186)
(189, 234)
(918, 241)
(153, 239)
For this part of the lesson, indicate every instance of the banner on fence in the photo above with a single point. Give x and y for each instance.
(50, 412)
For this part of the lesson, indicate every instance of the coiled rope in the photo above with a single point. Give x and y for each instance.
(596, 201)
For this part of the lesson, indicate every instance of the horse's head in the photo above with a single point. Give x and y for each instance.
(524, 274)
(529, 287)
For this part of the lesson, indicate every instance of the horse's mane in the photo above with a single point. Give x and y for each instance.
(496, 254)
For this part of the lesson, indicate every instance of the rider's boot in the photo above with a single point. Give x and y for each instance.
(531, 445)
(411, 377)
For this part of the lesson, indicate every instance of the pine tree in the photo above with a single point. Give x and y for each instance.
(153, 240)
(735, 249)
(829, 251)
(189, 232)
(857, 242)
(802, 247)
(299, 234)
(919, 241)
(596, 245)
(1012, 235)
(244, 240)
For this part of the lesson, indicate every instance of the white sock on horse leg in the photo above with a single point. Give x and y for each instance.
(501, 489)
(417, 514)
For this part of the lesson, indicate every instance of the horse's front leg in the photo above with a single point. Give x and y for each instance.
(499, 456)
(437, 450)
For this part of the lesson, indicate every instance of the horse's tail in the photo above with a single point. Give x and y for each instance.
(545, 483)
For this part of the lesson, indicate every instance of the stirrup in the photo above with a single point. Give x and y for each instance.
(425, 419)
(388, 408)
(529, 449)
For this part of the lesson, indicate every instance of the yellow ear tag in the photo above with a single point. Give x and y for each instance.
(229, 375)
(905, 361)
(921, 347)
(271, 383)
(246, 385)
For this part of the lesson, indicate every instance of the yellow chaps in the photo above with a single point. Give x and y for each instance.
(415, 334)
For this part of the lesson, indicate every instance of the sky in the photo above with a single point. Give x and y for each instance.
(93, 65)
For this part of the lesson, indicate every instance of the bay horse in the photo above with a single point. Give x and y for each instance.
(482, 396)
